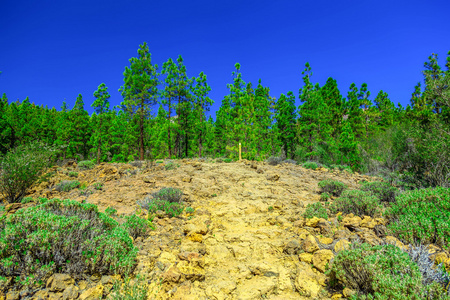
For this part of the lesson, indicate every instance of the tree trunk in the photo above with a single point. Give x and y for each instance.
(141, 131)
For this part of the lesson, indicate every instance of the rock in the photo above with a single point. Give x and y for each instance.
(310, 245)
(12, 295)
(192, 271)
(93, 293)
(260, 171)
(12, 207)
(325, 240)
(368, 222)
(305, 257)
(172, 275)
(394, 241)
(97, 277)
(306, 282)
(433, 249)
(348, 292)
(187, 179)
(351, 221)
(59, 282)
(369, 237)
(440, 257)
(321, 258)
(324, 226)
(273, 177)
(195, 237)
(342, 234)
(291, 247)
(312, 222)
(70, 293)
(341, 245)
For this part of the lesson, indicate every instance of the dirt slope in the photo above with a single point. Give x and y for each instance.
(245, 240)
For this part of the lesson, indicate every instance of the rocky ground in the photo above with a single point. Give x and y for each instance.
(247, 238)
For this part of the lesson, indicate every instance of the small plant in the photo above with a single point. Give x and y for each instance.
(67, 185)
(109, 211)
(315, 210)
(168, 194)
(270, 208)
(383, 190)
(357, 202)
(227, 160)
(310, 165)
(86, 165)
(214, 195)
(171, 166)
(26, 200)
(274, 160)
(130, 289)
(73, 174)
(166, 199)
(325, 197)
(332, 187)
(159, 162)
(98, 185)
(341, 168)
(190, 210)
(135, 226)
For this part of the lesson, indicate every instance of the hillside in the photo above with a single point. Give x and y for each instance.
(246, 239)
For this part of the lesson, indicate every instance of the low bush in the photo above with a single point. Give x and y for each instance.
(332, 187)
(227, 160)
(130, 289)
(315, 210)
(98, 185)
(21, 167)
(274, 160)
(152, 205)
(310, 165)
(383, 190)
(171, 166)
(135, 226)
(377, 272)
(73, 174)
(325, 197)
(290, 161)
(357, 202)
(431, 275)
(62, 237)
(168, 194)
(86, 165)
(67, 185)
(341, 168)
(421, 216)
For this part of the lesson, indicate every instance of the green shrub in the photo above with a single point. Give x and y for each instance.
(422, 216)
(73, 174)
(168, 194)
(341, 168)
(172, 209)
(171, 166)
(325, 197)
(98, 185)
(135, 226)
(377, 272)
(333, 187)
(110, 211)
(67, 185)
(357, 202)
(310, 165)
(21, 167)
(62, 237)
(315, 210)
(227, 160)
(86, 165)
(130, 289)
(383, 190)
(190, 210)
(26, 200)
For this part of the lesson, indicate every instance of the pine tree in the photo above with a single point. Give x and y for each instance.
(202, 104)
(78, 129)
(101, 108)
(286, 121)
(140, 90)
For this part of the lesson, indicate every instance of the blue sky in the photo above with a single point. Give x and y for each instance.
(51, 51)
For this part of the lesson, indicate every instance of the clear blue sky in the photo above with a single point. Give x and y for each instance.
(54, 50)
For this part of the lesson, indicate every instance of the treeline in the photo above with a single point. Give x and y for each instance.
(163, 115)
